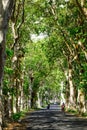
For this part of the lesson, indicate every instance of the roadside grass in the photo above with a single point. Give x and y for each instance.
(76, 112)
(84, 114)
(72, 111)
(15, 120)
(19, 115)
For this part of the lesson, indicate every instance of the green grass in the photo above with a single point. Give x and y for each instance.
(17, 116)
(76, 112)
(84, 114)
(72, 111)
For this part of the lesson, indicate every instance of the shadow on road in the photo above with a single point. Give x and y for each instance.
(53, 120)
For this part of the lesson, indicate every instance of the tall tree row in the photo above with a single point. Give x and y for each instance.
(46, 53)
(15, 52)
(66, 20)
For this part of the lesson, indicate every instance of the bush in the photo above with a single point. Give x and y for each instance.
(16, 116)
(84, 114)
(72, 111)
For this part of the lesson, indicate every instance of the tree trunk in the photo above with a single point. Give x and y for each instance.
(5, 11)
(30, 92)
(17, 95)
(21, 96)
(38, 100)
(6, 109)
(33, 99)
(67, 90)
(67, 95)
(81, 101)
(72, 103)
(62, 93)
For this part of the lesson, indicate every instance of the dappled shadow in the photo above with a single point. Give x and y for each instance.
(49, 119)
(53, 120)
(41, 120)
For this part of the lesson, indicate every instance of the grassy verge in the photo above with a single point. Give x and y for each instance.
(76, 112)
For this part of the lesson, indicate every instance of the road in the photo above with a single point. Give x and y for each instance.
(53, 119)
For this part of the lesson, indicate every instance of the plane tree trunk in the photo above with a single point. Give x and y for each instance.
(5, 11)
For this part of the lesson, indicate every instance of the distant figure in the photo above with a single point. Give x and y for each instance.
(48, 107)
(63, 107)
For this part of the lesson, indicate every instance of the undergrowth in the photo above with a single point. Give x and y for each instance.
(17, 116)
(76, 112)
(72, 111)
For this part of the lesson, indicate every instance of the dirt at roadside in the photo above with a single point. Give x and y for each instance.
(11, 125)
(15, 126)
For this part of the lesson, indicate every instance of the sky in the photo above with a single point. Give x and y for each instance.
(35, 37)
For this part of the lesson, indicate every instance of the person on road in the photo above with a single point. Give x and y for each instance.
(48, 107)
(63, 107)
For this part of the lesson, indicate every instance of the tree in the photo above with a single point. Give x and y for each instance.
(5, 13)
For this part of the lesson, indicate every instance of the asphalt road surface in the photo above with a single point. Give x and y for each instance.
(53, 119)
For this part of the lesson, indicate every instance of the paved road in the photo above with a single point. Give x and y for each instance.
(53, 119)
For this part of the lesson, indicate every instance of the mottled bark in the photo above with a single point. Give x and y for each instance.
(81, 101)
(38, 100)
(5, 12)
(72, 101)
(17, 20)
(17, 95)
(21, 96)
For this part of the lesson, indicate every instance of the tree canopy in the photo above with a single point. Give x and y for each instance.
(46, 55)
